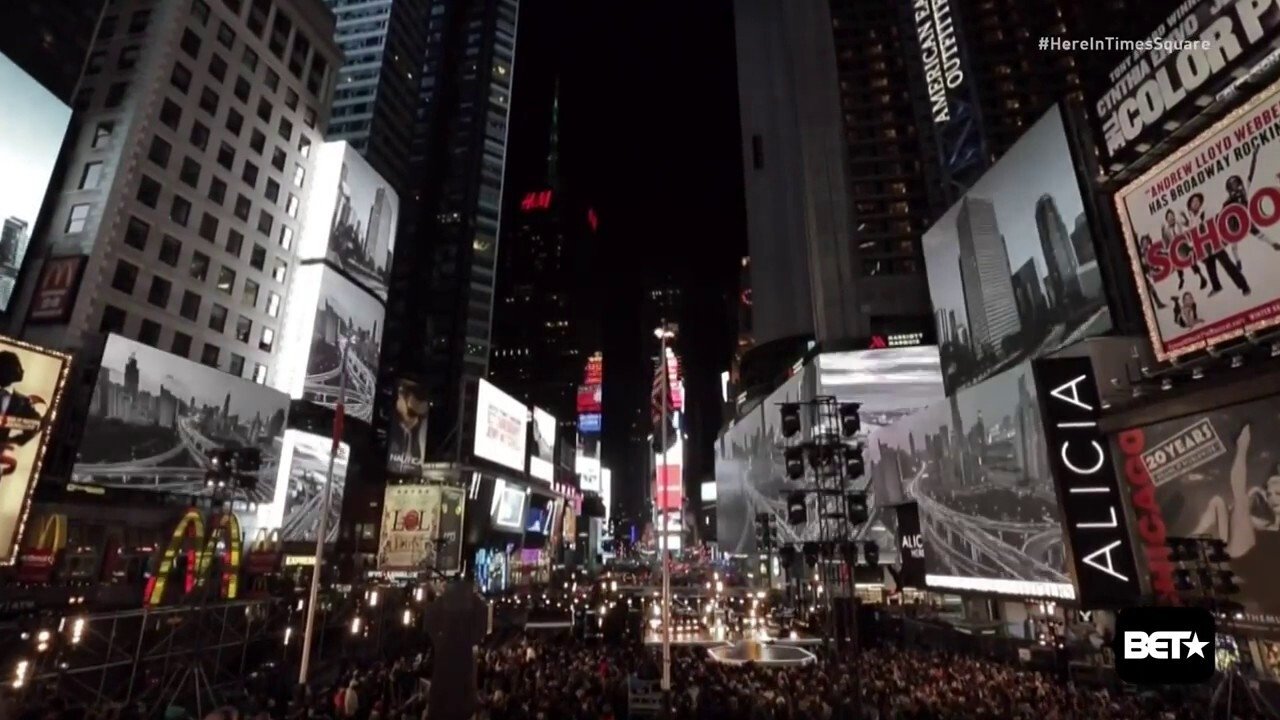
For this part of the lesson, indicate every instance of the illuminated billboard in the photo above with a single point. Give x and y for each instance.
(328, 317)
(500, 430)
(407, 437)
(31, 133)
(506, 508)
(668, 490)
(31, 379)
(587, 464)
(1012, 270)
(1201, 232)
(416, 520)
(155, 416)
(300, 499)
(978, 467)
(351, 218)
(542, 453)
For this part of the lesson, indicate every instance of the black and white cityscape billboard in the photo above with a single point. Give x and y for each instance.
(1012, 269)
(155, 416)
(1215, 474)
(304, 466)
(31, 133)
(351, 218)
(977, 466)
(328, 317)
(542, 445)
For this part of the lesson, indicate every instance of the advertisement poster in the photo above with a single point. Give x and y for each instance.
(1206, 468)
(1158, 80)
(910, 546)
(350, 320)
(542, 453)
(29, 144)
(31, 382)
(1012, 269)
(154, 416)
(1201, 232)
(410, 527)
(452, 508)
(407, 437)
(303, 468)
(500, 432)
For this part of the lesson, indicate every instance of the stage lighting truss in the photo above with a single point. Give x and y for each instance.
(790, 419)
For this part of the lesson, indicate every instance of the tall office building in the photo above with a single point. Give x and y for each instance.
(985, 277)
(546, 324)
(441, 301)
(376, 96)
(1059, 254)
(188, 177)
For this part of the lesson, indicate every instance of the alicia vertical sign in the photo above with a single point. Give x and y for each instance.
(1092, 507)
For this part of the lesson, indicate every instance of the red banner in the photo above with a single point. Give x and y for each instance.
(669, 487)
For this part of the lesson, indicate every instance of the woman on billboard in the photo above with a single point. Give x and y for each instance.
(1237, 520)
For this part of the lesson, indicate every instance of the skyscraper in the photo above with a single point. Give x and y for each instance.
(376, 97)
(1059, 255)
(198, 122)
(985, 276)
(13, 243)
(441, 300)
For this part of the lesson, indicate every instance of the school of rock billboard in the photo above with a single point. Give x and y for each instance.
(1216, 474)
(1202, 235)
(31, 380)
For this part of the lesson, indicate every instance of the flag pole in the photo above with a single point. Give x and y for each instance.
(322, 524)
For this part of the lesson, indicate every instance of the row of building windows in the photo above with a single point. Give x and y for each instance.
(113, 321)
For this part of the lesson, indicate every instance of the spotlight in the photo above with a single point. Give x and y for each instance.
(796, 512)
(854, 466)
(849, 551)
(871, 551)
(850, 422)
(793, 458)
(1166, 384)
(1275, 348)
(821, 456)
(1198, 373)
(1237, 361)
(790, 419)
(856, 507)
(811, 554)
(787, 557)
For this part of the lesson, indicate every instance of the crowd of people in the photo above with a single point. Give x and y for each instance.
(523, 676)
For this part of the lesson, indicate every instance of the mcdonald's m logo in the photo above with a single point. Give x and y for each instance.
(197, 549)
(56, 290)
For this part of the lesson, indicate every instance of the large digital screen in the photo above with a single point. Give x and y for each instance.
(407, 437)
(977, 465)
(1012, 269)
(1201, 232)
(501, 422)
(351, 218)
(329, 317)
(587, 464)
(155, 416)
(31, 133)
(506, 510)
(300, 499)
(542, 454)
(1214, 474)
(419, 528)
(750, 469)
(31, 379)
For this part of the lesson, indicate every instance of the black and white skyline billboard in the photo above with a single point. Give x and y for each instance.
(977, 466)
(300, 487)
(155, 416)
(31, 133)
(351, 221)
(1012, 269)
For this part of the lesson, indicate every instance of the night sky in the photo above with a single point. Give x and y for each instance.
(649, 130)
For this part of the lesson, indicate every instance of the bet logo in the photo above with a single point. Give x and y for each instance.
(1164, 646)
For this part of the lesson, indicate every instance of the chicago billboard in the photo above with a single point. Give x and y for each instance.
(155, 416)
(351, 218)
(1012, 269)
(1201, 232)
(31, 382)
(977, 466)
(30, 137)
(1216, 474)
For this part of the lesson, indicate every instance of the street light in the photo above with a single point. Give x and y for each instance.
(665, 332)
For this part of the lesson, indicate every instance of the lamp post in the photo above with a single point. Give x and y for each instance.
(664, 333)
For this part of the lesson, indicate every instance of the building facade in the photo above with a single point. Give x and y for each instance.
(188, 178)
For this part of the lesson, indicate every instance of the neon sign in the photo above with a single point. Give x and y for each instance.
(189, 538)
(537, 200)
(592, 219)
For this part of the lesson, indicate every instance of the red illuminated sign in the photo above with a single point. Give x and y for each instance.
(594, 373)
(668, 486)
(592, 219)
(56, 289)
(589, 397)
(538, 200)
(878, 342)
(673, 377)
